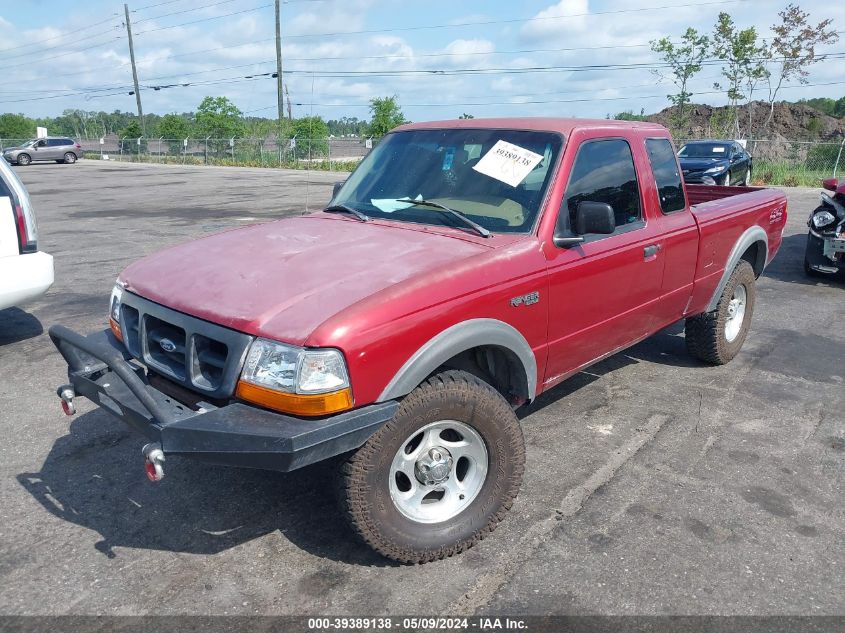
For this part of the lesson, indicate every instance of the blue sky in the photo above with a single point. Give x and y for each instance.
(53, 51)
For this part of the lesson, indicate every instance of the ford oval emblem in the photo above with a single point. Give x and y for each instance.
(167, 345)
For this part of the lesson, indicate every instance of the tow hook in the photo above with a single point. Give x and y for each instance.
(153, 461)
(67, 394)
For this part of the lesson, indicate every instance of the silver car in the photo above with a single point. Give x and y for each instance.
(58, 148)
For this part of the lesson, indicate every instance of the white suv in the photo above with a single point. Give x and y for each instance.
(25, 272)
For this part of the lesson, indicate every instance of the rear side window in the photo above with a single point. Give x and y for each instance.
(664, 166)
(604, 172)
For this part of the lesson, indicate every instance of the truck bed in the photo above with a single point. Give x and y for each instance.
(723, 214)
(699, 194)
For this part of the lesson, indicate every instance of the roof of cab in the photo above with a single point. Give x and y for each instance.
(561, 125)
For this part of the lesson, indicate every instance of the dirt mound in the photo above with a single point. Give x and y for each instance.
(791, 121)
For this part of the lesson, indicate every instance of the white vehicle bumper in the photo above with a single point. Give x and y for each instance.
(24, 277)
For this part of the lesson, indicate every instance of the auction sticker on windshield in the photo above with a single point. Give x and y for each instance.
(508, 163)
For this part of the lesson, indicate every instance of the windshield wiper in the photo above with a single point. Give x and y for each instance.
(456, 214)
(342, 208)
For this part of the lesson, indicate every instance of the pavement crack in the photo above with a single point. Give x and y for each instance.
(505, 566)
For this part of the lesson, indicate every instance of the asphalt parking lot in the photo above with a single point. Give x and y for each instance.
(654, 484)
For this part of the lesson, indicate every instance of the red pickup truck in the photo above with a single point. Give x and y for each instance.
(464, 268)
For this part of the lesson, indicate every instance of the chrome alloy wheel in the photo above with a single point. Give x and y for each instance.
(438, 471)
(736, 313)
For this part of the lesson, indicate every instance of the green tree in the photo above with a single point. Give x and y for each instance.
(174, 128)
(129, 138)
(16, 126)
(684, 62)
(743, 62)
(794, 47)
(629, 115)
(466, 116)
(220, 119)
(839, 108)
(311, 135)
(386, 115)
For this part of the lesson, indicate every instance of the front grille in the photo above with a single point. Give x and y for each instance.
(197, 354)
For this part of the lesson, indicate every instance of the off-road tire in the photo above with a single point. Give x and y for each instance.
(705, 333)
(363, 479)
(70, 158)
(24, 159)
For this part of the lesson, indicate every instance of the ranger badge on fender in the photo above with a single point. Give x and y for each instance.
(530, 299)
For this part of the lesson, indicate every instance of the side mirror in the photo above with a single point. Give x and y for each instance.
(830, 184)
(336, 188)
(590, 218)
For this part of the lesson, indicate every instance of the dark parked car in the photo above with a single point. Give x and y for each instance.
(58, 148)
(715, 163)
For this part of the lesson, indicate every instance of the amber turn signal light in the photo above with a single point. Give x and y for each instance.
(297, 404)
(115, 329)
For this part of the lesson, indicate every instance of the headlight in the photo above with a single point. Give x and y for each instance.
(715, 170)
(823, 218)
(294, 379)
(114, 310)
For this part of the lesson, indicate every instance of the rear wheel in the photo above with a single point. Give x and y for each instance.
(716, 337)
(24, 159)
(70, 158)
(440, 475)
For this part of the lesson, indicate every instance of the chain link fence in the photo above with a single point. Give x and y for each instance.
(776, 162)
(332, 154)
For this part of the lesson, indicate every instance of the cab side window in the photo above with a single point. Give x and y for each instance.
(664, 166)
(603, 172)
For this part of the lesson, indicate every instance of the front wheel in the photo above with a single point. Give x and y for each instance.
(24, 160)
(440, 475)
(746, 182)
(70, 158)
(726, 180)
(716, 337)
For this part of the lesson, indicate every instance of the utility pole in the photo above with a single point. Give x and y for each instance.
(279, 93)
(135, 70)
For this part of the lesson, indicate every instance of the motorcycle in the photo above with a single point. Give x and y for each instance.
(825, 254)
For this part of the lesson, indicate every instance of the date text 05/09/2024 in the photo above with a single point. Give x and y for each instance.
(415, 623)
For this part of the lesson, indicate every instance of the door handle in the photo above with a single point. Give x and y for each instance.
(651, 251)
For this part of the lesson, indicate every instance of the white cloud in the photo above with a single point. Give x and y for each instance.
(558, 20)
(471, 53)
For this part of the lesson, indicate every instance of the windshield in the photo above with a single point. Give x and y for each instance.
(704, 150)
(496, 178)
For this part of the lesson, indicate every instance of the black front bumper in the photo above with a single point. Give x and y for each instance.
(816, 260)
(237, 434)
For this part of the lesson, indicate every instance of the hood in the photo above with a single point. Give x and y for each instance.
(282, 279)
(700, 164)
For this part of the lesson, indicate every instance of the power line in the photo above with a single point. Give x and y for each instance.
(516, 20)
(52, 48)
(407, 72)
(93, 94)
(158, 4)
(85, 50)
(57, 37)
(204, 6)
(215, 17)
